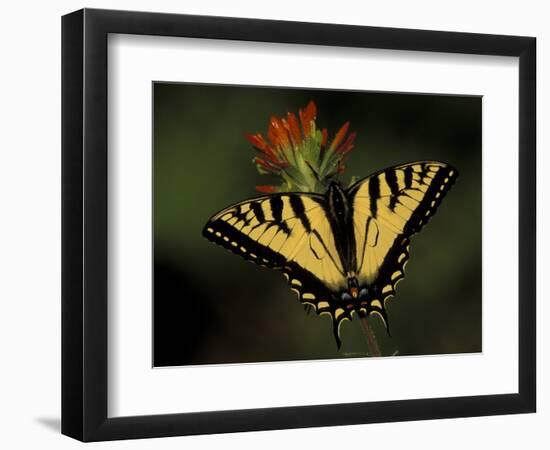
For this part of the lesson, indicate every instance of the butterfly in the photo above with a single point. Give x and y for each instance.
(343, 252)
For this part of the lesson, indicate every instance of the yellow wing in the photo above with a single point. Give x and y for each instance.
(389, 206)
(290, 232)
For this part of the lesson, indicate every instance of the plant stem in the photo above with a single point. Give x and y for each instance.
(372, 343)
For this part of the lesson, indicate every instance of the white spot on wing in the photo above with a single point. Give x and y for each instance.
(376, 304)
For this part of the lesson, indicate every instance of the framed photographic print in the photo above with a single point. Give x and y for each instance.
(277, 224)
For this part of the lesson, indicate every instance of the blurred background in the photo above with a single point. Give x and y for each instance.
(211, 306)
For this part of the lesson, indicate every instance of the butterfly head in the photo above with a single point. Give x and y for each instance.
(334, 185)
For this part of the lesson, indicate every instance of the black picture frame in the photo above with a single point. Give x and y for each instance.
(84, 224)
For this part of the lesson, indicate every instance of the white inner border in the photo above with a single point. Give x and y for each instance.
(135, 388)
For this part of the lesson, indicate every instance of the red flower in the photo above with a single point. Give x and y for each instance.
(307, 116)
(297, 151)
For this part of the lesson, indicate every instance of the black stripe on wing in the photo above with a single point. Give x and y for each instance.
(276, 203)
(299, 210)
(374, 194)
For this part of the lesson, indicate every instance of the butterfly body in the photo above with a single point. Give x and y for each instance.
(339, 209)
(344, 251)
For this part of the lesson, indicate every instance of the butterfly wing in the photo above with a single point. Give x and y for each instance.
(389, 207)
(290, 232)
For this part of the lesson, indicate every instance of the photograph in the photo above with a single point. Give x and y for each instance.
(294, 224)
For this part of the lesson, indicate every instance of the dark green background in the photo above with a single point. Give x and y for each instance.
(210, 306)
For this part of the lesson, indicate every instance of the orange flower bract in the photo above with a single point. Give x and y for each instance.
(296, 151)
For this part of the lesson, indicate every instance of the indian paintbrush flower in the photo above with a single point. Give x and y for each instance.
(297, 152)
